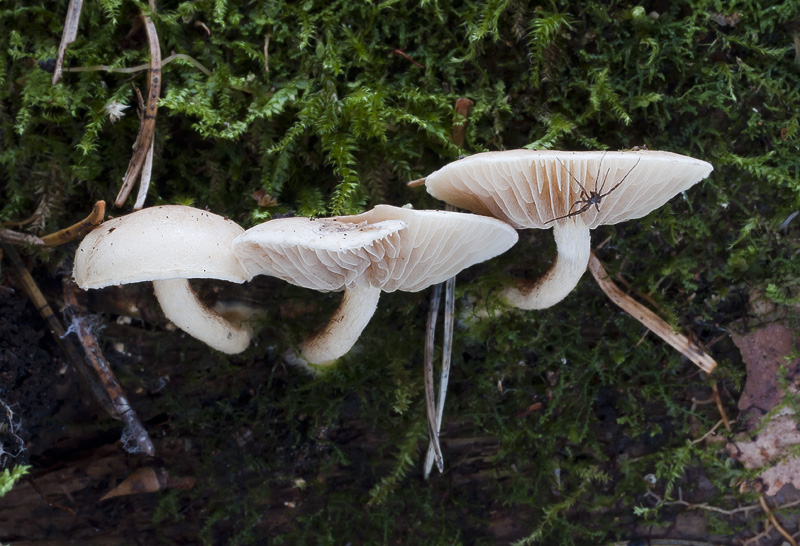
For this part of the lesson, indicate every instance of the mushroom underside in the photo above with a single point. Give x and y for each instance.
(574, 247)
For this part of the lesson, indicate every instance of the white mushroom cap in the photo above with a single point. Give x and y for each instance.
(542, 189)
(167, 242)
(387, 248)
(169, 245)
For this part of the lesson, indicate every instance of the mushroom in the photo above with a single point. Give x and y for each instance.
(573, 192)
(385, 249)
(169, 245)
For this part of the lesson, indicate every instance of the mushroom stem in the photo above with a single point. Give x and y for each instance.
(573, 243)
(351, 317)
(181, 306)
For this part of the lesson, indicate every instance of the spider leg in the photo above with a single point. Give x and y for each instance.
(623, 179)
(584, 193)
(571, 214)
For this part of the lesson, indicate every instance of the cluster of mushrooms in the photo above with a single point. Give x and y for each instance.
(387, 248)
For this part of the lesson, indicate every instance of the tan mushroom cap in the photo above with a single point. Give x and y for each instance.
(158, 243)
(572, 192)
(529, 188)
(169, 245)
(324, 254)
(388, 247)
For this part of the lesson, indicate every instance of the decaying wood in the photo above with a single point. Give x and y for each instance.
(68, 36)
(80, 229)
(147, 128)
(135, 432)
(649, 319)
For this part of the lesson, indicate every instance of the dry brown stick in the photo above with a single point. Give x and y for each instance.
(54, 325)
(649, 319)
(68, 36)
(80, 229)
(763, 502)
(122, 409)
(147, 129)
(463, 108)
(17, 238)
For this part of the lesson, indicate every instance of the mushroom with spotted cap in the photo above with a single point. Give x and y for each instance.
(169, 245)
(385, 249)
(572, 192)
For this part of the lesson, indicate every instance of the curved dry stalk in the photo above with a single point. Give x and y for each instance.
(447, 350)
(649, 319)
(79, 229)
(433, 312)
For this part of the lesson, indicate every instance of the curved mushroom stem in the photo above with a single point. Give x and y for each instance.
(351, 317)
(574, 248)
(181, 306)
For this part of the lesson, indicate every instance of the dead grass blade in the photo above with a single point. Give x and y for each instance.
(649, 319)
(430, 401)
(69, 35)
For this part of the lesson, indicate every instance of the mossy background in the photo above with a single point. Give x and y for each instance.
(339, 123)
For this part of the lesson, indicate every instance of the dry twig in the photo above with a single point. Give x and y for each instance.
(144, 140)
(649, 319)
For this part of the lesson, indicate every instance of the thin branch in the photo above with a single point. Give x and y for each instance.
(406, 57)
(147, 129)
(80, 229)
(710, 432)
(649, 319)
(68, 36)
(122, 409)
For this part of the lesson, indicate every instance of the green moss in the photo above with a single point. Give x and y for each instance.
(359, 98)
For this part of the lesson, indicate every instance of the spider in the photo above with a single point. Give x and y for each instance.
(592, 197)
